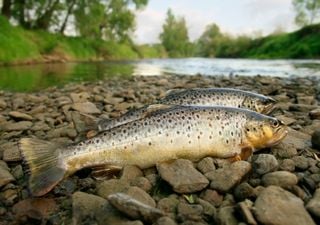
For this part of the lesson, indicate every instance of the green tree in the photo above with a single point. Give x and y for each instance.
(210, 41)
(308, 11)
(174, 36)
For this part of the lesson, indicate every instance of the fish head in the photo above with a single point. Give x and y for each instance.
(264, 131)
(260, 104)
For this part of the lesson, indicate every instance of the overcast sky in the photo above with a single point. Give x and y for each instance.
(232, 16)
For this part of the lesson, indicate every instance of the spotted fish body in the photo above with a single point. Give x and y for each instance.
(199, 97)
(175, 132)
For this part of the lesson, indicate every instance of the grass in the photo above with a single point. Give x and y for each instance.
(301, 44)
(18, 45)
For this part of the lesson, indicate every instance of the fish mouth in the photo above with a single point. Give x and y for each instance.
(278, 136)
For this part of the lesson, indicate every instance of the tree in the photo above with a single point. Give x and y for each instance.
(308, 11)
(174, 36)
(6, 8)
(209, 42)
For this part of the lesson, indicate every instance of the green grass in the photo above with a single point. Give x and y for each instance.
(301, 44)
(18, 45)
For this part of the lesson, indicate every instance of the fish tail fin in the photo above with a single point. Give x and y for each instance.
(42, 159)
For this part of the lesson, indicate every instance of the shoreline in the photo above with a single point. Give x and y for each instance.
(55, 114)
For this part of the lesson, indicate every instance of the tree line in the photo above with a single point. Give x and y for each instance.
(115, 20)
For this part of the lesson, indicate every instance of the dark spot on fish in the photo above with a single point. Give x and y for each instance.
(198, 137)
(149, 143)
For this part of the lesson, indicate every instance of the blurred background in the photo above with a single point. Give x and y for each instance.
(51, 42)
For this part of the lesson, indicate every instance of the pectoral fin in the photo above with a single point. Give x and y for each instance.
(103, 172)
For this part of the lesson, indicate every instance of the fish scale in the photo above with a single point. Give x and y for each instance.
(198, 97)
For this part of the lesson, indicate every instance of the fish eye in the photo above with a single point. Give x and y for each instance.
(275, 123)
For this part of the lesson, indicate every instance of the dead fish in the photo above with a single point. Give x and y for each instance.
(166, 134)
(196, 97)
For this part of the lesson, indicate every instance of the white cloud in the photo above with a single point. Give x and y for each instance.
(234, 17)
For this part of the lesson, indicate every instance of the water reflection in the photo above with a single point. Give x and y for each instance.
(37, 77)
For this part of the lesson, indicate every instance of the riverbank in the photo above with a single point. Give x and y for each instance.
(280, 185)
(19, 46)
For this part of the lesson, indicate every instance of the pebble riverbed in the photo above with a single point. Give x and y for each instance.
(280, 185)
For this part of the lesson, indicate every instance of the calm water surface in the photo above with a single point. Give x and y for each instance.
(37, 77)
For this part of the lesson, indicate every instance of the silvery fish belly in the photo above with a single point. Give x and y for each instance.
(165, 134)
(199, 97)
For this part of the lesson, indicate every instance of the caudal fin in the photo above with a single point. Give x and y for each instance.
(42, 159)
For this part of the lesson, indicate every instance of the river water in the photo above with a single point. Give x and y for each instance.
(37, 77)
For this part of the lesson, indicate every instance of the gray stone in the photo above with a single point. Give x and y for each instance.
(111, 186)
(308, 100)
(134, 208)
(91, 209)
(301, 162)
(315, 139)
(18, 103)
(206, 165)
(3, 104)
(17, 172)
(234, 174)
(141, 196)
(315, 114)
(283, 179)
(80, 97)
(182, 176)
(20, 115)
(212, 196)
(243, 191)
(264, 163)
(168, 205)
(208, 209)
(165, 220)
(277, 206)
(226, 216)
(301, 107)
(286, 120)
(22, 125)
(5, 176)
(313, 205)
(40, 126)
(287, 165)
(11, 152)
(189, 212)
(245, 210)
(142, 183)
(130, 172)
(86, 107)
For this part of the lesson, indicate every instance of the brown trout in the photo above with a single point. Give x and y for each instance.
(197, 97)
(176, 132)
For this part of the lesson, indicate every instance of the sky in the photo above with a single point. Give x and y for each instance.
(236, 17)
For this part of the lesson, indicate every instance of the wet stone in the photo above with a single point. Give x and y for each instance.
(86, 107)
(111, 186)
(287, 165)
(3, 104)
(17, 126)
(315, 139)
(315, 114)
(168, 205)
(141, 196)
(5, 176)
(243, 191)
(283, 179)
(130, 172)
(226, 216)
(277, 206)
(142, 183)
(301, 162)
(182, 176)
(165, 221)
(206, 165)
(235, 173)
(264, 163)
(11, 152)
(189, 212)
(212, 196)
(134, 208)
(20, 116)
(80, 97)
(40, 208)
(313, 205)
